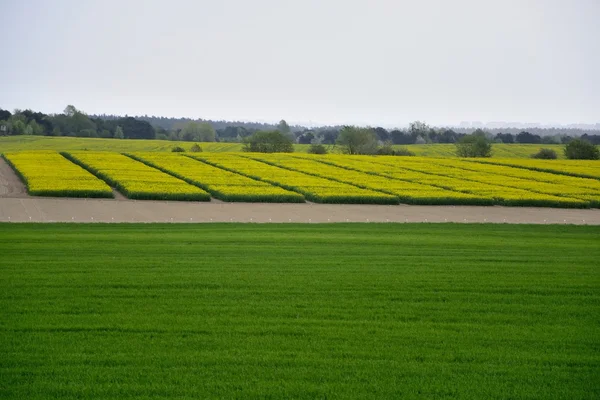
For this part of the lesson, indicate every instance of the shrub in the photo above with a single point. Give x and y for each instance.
(386, 150)
(545, 154)
(317, 149)
(403, 151)
(268, 142)
(475, 145)
(177, 149)
(196, 148)
(579, 149)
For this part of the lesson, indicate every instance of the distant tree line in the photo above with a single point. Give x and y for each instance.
(74, 122)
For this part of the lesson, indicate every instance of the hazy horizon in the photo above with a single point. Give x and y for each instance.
(378, 62)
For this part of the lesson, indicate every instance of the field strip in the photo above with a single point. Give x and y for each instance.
(47, 173)
(501, 195)
(506, 176)
(408, 192)
(34, 209)
(135, 179)
(221, 184)
(578, 168)
(316, 189)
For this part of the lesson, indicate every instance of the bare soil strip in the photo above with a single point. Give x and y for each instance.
(38, 209)
(10, 184)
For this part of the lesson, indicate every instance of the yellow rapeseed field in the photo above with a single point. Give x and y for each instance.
(222, 184)
(405, 168)
(316, 189)
(407, 192)
(581, 168)
(47, 173)
(135, 179)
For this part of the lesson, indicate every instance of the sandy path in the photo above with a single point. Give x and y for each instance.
(38, 209)
(10, 184)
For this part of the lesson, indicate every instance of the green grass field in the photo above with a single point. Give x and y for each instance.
(299, 311)
(19, 143)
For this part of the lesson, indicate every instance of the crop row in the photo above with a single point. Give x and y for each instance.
(407, 192)
(535, 181)
(47, 173)
(433, 175)
(221, 184)
(135, 179)
(512, 188)
(314, 188)
(577, 168)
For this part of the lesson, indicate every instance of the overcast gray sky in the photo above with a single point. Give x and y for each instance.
(378, 62)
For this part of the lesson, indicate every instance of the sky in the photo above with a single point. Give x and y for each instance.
(365, 62)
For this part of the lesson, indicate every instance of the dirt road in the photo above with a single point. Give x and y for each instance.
(107, 210)
(10, 184)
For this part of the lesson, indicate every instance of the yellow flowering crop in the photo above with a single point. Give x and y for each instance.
(222, 184)
(407, 192)
(581, 168)
(408, 169)
(317, 189)
(47, 173)
(135, 179)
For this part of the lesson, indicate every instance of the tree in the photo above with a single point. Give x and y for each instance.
(474, 145)
(207, 132)
(306, 138)
(329, 135)
(526, 137)
(119, 133)
(504, 138)
(401, 137)
(268, 142)
(198, 132)
(70, 110)
(579, 149)
(283, 127)
(18, 127)
(35, 128)
(136, 129)
(5, 115)
(355, 140)
(447, 136)
(382, 134)
(419, 129)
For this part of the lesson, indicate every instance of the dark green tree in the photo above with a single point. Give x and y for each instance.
(356, 140)
(579, 149)
(268, 142)
(474, 145)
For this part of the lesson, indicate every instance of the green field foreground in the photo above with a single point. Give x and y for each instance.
(299, 311)
(20, 143)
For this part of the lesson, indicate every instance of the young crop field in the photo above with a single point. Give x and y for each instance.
(136, 180)
(299, 311)
(28, 142)
(47, 173)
